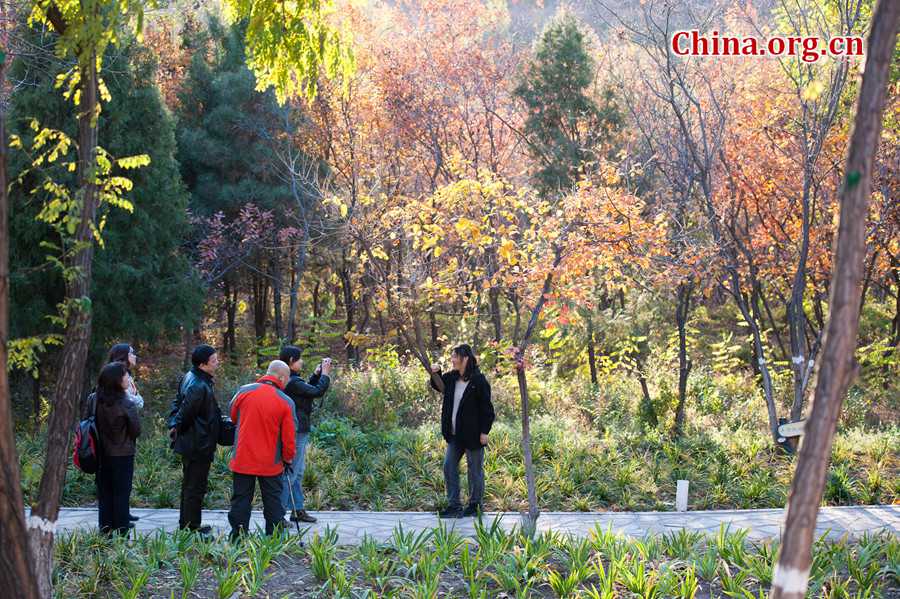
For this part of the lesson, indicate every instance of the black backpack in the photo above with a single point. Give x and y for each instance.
(86, 455)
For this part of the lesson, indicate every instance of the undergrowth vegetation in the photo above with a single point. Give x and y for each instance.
(441, 563)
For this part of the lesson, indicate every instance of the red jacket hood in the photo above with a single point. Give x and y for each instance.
(271, 379)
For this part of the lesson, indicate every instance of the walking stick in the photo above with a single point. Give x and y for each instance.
(293, 502)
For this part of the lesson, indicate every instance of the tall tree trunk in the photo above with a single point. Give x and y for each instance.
(895, 322)
(16, 569)
(751, 317)
(529, 520)
(349, 307)
(496, 316)
(647, 408)
(684, 363)
(592, 357)
(259, 291)
(36, 400)
(296, 277)
(69, 382)
(837, 366)
(795, 314)
(229, 340)
(317, 309)
(276, 297)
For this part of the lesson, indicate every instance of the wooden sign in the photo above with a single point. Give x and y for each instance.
(792, 429)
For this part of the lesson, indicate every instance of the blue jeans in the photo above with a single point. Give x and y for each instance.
(295, 482)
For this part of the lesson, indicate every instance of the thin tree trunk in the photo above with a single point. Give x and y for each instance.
(592, 357)
(36, 400)
(276, 297)
(684, 364)
(496, 316)
(837, 366)
(895, 322)
(42, 523)
(796, 316)
(317, 310)
(229, 339)
(299, 269)
(16, 569)
(529, 520)
(349, 308)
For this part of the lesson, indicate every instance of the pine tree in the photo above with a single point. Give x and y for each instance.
(143, 284)
(564, 124)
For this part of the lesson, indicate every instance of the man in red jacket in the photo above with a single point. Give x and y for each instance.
(265, 424)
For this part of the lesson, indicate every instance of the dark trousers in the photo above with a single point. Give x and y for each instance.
(193, 490)
(475, 464)
(114, 479)
(242, 500)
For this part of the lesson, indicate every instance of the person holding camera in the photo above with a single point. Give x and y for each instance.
(302, 393)
(467, 415)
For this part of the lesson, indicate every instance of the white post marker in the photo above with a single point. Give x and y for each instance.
(681, 496)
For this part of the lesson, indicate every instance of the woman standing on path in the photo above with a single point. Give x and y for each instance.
(124, 353)
(118, 426)
(302, 393)
(467, 415)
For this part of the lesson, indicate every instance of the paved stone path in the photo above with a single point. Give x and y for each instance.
(351, 526)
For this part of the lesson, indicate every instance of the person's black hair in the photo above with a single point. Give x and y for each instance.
(109, 384)
(202, 354)
(465, 351)
(119, 353)
(289, 354)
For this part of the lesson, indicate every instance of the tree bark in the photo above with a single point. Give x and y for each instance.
(16, 569)
(349, 307)
(297, 276)
(229, 340)
(529, 520)
(317, 310)
(36, 399)
(496, 316)
(592, 354)
(837, 366)
(42, 524)
(276, 297)
(684, 364)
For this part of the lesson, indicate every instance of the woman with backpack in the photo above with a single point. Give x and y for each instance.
(125, 354)
(118, 426)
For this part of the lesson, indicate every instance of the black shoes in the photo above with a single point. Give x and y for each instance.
(451, 512)
(471, 510)
(133, 518)
(301, 516)
(458, 512)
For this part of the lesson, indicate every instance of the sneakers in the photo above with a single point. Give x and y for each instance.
(301, 516)
(451, 512)
(471, 510)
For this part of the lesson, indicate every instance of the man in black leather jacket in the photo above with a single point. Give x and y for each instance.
(194, 423)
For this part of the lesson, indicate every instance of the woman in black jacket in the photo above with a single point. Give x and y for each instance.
(467, 415)
(124, 353)
(118, 426)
